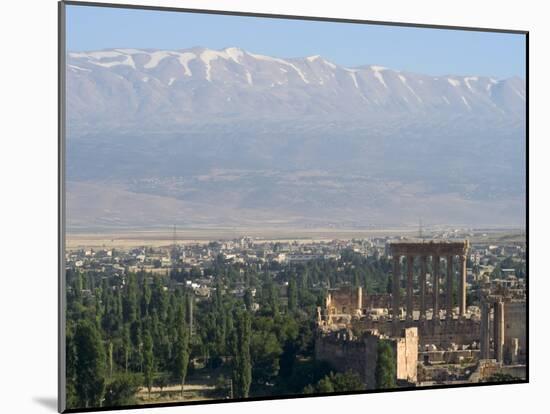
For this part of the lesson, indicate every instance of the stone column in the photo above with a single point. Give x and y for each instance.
(484, 332)
(435, 287)
(498, 321)
(410, 264)
(360, 299)
(396, 287)
(449, 288)
(462, 286)
(423, 263)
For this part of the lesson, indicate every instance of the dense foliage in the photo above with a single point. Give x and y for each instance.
(385, 366)
(257, 326)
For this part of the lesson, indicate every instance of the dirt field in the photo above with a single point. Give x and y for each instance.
(164, 238)
(172, 393)
(159, 238)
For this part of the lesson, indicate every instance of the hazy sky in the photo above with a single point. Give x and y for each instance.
(429, 51)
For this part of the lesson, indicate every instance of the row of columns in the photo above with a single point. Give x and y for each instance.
(435, 269)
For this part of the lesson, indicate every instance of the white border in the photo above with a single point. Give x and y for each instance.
(28, 164)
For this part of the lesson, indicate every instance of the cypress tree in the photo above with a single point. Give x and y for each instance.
(148, 361)
(242, 365)
(385, 366)
(181, 355)
(89, 366)
(292, 295)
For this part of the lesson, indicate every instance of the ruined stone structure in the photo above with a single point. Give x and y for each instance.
(505, 331)
(429, 253)
(343, 302)
(443, 335)
(345, 352)
(448, 342)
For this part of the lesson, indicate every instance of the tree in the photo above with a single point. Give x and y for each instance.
(274, 299)
(71, 358)
(248, 299)
(348, 381)
(130, 301)
(121, 391)
(242, 366)
(325, 384)
(126, 347)
(265, 350)
(341, 382)
(110, 358)
(288, 358)
(148, 361)
(181, 355)
(500, 377)
(89, 366)
(389, 285)
(292, 295)
(77, 285)
(385, 366)
(145, 296)
(161, 381)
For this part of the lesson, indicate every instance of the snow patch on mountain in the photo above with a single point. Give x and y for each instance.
(378, 75)
(469, 79)
(184, 60)
(282, 62)
(155, 58)
(453, 82)
(180, 88)
(404, 81)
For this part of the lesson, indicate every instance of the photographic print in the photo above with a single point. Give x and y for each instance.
(261, 207)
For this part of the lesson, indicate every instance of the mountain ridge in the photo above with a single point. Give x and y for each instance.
(138, 87)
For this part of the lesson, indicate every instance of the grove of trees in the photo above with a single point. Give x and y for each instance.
(136, 331)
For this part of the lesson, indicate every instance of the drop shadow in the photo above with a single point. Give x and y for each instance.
(47, 402)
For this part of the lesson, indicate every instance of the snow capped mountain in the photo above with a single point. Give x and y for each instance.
(171, 87)
(202, 137)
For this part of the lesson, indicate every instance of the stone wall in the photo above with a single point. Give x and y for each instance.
(345, 300)
(515, 324)
(489, 367)
(360, 355)
(448, 356)
(406, 350)
(442, 334)
(374, 301)
(383, 300)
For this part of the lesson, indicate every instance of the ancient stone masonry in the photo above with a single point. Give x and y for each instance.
(432, 328)
(344, 352)
(429, 253)
(443, 335)
(506, 341)
(343, 303)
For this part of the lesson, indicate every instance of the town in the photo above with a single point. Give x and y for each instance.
(444, 307)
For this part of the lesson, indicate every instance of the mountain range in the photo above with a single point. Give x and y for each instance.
(168, 88)
(203, 137)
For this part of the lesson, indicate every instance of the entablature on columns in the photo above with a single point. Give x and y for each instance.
(429, 248)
